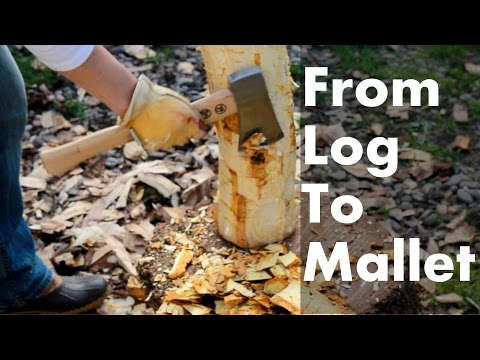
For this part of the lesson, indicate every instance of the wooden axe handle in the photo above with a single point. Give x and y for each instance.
(61, 159)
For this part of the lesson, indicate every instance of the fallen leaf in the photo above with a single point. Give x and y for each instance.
(472, 68)
(144, 229)
(376, 128)
(460, 113)
(54, 120)
(450, 298)
(461, 234)
(330, 133)
(123, 256)
(359, 170)
(461, 142)
(414, 154)
(457, 220)
(429, 285)
(400, 112)
(422, 170)
(141, 52)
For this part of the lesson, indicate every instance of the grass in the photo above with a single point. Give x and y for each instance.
(162, 54)
(465, 289)
(383, 211)
(75, 108)
(33, 76)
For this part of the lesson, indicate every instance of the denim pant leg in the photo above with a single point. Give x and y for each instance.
(23, 276)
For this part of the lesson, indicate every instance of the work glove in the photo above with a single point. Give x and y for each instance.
(160, 117)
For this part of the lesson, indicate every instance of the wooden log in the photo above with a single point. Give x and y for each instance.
(256, 198)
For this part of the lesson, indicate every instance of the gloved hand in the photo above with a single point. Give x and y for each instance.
(161, 117)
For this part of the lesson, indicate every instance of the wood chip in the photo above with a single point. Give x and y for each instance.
(275, 285)
(136, 289)
(197, 309)
(163, 185)
(33, 183)
(248, 308)
(134, 151)
(170, 308)
(276, 247)
(289, 259)
(232, 285)
(144, 229)
(314, 302)
(289, 298)
(221, 308)
(267, 262)
(233, 300)
(180, 264)
(252, 275)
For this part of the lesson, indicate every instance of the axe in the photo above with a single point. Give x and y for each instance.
(247, 96)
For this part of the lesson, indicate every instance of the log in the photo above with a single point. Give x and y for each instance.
(256, 198)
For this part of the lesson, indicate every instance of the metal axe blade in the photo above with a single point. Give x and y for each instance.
(254, 107)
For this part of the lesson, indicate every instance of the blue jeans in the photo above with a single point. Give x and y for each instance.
(23, 276)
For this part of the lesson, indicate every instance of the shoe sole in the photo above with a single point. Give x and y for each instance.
(91, 306)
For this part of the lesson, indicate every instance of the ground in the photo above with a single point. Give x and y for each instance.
(434, 194)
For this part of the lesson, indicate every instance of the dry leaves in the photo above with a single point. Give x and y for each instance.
(472, 68)
(141, 52)
(461, 142)
(330, 133)
(359, 170)
(414, 154)
(462, 234)
(400, 112)
(460, 113)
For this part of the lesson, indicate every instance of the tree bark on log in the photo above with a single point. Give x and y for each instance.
(256, 198)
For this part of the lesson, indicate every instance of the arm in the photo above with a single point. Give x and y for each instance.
(105, 78)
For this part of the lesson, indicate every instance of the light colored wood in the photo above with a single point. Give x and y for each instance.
(217, 106)
(256, 198)
(64, 158)
(61, 159)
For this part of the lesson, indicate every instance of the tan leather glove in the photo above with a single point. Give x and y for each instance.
(160, 117)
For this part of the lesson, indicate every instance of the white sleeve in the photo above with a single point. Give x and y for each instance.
(61, 57)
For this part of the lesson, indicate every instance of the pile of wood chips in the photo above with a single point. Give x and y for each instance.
(193, 271)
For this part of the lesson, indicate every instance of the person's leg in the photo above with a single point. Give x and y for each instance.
(23, 276)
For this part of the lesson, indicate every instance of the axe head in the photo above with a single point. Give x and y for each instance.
(254, 108)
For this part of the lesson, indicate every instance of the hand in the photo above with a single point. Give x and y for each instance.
(161, 117)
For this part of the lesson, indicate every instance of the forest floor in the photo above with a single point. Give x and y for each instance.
(102, 216)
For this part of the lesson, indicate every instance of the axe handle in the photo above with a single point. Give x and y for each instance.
(216, 107)
(61, 159)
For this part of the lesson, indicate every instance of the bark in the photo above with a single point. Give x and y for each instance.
(256, 198)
